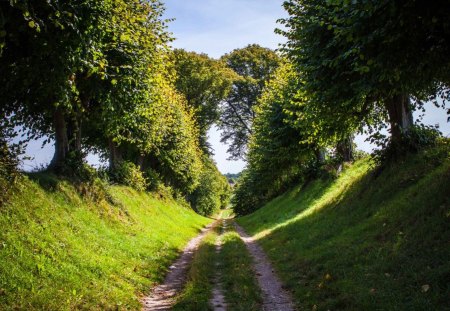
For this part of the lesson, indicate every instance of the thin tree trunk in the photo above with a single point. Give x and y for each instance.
(400, 117)
(320, 155)
(74, 134)
(115, 155)
(344, 148)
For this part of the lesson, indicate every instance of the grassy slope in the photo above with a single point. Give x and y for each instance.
(59, 251)
(364, 241)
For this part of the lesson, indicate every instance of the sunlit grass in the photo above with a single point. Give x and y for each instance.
(227, 213)
(367, 240)
(59, 251)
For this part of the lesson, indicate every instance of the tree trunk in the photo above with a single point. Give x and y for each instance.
(400, 117)
(320, 155)
(61, 140)
(141, 162)
(344, 149)
(74, 134)
(115, 155)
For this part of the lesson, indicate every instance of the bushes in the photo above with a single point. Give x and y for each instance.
(417, 138)
(8, 167)
(129, 174)
(213, 191)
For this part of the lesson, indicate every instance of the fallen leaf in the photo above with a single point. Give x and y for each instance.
(425, 288)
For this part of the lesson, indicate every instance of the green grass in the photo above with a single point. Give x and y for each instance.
(227, 213)
(238, 280)
(61, 251)
(198, 289)
(368, 240)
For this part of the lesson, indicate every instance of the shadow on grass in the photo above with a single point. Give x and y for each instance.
(46, 181)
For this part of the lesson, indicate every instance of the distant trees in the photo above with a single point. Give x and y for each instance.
(254, 65)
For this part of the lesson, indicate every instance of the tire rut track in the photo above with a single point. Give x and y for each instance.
(275, 298)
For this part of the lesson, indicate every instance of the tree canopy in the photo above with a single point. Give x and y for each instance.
(205, 83)
(99, 75)
(363, 61)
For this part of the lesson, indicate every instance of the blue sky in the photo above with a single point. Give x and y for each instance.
(216, 27)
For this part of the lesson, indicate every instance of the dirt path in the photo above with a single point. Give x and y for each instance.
(163, 296)
(275, 298)
(218, 299)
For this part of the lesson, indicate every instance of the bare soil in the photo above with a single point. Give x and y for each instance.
(275, 298)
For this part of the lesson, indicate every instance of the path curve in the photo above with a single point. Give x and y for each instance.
(162, 297)
(275, 298)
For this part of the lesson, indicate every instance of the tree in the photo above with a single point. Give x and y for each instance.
(363, 61)
(278, 153)
(213, 191)
(205, 82)
(254, 65)
(73, 65)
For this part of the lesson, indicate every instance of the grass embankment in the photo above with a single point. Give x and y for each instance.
(367, 240)
(61, 251)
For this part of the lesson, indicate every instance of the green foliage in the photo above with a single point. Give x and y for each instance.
(61, 251)
(361, 61)
(357, 242)
(255, 66)
(416, 139)
(127, 173)
(9, 175)
(278, 154)
(204, 82)
(212, 193)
